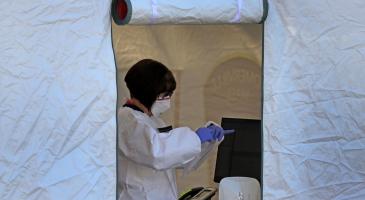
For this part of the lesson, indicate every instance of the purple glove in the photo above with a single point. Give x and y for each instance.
(205, 134)
(212, 133)
(218, 132)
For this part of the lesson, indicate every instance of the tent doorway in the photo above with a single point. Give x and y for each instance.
(218, 73)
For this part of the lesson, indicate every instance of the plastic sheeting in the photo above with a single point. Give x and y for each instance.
(314, 100)
(217, 67)
(58, 100)
(193, 12)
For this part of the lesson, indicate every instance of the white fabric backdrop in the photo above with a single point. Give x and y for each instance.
(314, 121)
(58, 100)
(57, 97)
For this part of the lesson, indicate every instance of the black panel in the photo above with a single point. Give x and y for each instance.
(240, 153)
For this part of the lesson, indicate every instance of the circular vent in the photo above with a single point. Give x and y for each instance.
(121, 11)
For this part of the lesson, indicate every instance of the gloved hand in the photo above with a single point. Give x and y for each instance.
(218, 132)
(205, 134)
(212, 133)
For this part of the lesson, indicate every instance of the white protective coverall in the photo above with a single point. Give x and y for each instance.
(148, 158)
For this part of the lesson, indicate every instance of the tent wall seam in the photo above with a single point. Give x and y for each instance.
(116, 110)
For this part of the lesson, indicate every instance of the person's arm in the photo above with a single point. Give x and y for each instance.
(207, 147)
(206, 151)
(144, 145)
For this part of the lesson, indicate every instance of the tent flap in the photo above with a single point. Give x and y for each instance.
(57, 100)
(313, 118)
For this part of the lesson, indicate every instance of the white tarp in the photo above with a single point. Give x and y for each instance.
(58, 100)
(314, 100)
(57, 94)
(194, 12)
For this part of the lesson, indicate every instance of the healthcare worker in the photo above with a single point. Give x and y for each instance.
(150, 151)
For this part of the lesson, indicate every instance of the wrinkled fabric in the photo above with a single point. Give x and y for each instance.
(58, 100)
(314, 90)
(196, 12)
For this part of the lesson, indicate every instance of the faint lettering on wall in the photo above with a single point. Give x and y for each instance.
(233, 90)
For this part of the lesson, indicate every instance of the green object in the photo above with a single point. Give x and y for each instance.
(189, 194)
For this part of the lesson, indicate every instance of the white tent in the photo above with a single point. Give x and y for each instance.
(314, 121)
(58, 100)
(58, 92)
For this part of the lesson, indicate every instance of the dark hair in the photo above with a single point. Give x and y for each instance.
(147, 79)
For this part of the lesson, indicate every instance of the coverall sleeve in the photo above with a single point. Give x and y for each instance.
(143, 144)
(206, 150)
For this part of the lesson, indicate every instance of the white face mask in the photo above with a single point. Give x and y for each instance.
(160, 106)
